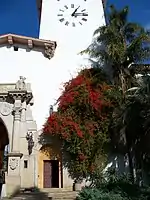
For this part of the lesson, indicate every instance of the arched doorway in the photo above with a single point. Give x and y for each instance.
(49, 167)
(4, 145)
(4, 142)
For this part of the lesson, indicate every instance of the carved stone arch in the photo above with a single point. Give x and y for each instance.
(4, 140)
(6, 117)
(8, 124)
(4, 135)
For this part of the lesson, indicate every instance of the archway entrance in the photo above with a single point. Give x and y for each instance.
(49, 167)
(4, 142)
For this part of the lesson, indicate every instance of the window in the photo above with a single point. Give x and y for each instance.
(25, 164)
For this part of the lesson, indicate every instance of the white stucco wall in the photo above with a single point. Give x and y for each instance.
(46, 76)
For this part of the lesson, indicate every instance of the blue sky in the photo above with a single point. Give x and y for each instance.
(139, 10)
(19, 17)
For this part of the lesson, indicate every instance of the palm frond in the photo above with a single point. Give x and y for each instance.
(119, 44)
(140, 69)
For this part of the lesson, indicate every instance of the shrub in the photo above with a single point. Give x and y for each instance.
(97, 194)
(116, 187)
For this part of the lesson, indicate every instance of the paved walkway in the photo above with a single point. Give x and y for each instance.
(44, 196)
(30, 196)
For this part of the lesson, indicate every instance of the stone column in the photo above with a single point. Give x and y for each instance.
(13, 179)
(23, 125)
(16, 126)
(23, 112)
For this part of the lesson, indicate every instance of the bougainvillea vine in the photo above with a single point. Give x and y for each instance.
(81, 121)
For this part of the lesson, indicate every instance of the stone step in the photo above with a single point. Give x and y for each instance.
(56, 190)
(64, 195)
(60, 193)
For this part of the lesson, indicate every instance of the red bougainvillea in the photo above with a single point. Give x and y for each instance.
(81, 122)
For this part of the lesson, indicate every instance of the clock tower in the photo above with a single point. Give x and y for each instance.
(71, 24)
(29, 35)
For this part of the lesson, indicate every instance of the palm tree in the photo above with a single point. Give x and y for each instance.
(118, 45)
(137, 121)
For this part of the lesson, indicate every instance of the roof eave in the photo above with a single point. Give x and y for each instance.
(47, 47)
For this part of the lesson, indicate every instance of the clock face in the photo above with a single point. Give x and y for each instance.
(72, 15)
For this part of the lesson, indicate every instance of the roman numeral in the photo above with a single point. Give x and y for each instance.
(61, 10)
(84, 19)
(66, 7)
(83, 10)
(67, 23)
(72, 5)
(73, 24)
(62, 19)
(85, 14)
(59, 15)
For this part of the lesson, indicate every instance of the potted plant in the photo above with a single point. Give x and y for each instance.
(77, 185)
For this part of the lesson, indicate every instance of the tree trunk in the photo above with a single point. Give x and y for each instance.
(131, 167)
(130, 157)
(123, 83)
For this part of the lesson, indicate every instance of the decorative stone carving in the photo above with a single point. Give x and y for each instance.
(13, 163)
(30, 44)
(4, 88)
(17, 110)
(17, 114)
(30, 141)
(49, 50)
(6, 109)
(10, 40)
(20, 85)
(19, 90)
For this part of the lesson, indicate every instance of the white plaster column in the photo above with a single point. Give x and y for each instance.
(16, 127)
(23, 111)
(13, 179)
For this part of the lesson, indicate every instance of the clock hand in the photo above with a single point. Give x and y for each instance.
(75, 11)
(80, 14)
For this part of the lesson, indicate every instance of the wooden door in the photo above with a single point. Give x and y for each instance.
(47, 176)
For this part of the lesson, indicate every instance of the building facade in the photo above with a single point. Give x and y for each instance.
(69, 25)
